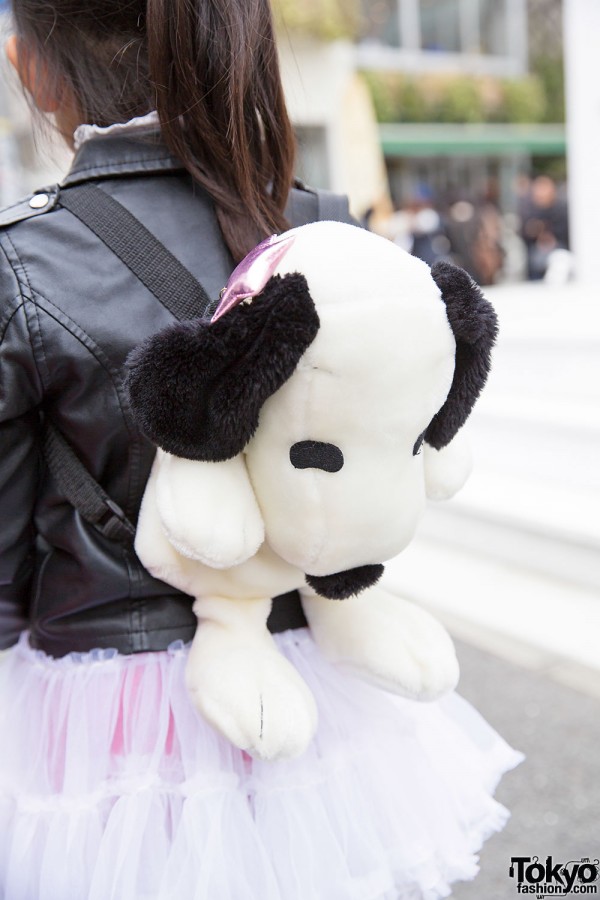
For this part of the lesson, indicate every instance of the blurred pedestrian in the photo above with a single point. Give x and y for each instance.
(544, 225)
(429, 241)
(474, 229)
(418, 228)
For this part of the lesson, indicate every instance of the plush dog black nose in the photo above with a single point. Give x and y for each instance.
(316, 455)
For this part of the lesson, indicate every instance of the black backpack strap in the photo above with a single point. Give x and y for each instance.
(315, 205)
(176, 288)
(172, 284)
(333, 207)
(149, 260)
(83, 491)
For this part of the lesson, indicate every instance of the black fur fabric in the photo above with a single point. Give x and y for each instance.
(345, 584)
(475, 328)
(197, 388)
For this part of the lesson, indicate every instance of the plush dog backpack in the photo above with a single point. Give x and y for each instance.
(300, 431)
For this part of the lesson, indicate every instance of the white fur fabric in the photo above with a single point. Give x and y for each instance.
(234, 534)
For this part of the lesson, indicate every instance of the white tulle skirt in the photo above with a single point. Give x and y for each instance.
(113, 788)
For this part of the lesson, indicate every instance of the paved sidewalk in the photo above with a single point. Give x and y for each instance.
(535, 621)
(512, 563)
(554, 796)
(512, 568)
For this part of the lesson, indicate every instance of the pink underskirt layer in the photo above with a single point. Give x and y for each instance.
(113, 788)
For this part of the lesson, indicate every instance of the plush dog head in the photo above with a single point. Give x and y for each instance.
(333, 358)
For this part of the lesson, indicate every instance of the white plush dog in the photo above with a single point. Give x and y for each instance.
(291, 429)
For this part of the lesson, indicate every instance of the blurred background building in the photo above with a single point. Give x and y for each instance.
(437, 117)
(464, 110)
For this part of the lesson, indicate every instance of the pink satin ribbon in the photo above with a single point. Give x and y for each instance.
(250, 277)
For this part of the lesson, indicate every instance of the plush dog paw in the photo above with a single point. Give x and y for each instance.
(250, 693)
(208, 510)
(387, 641)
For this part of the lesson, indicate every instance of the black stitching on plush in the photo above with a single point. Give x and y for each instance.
(418, 446)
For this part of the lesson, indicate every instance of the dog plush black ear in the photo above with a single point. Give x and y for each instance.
(197, 388)
(475, 326)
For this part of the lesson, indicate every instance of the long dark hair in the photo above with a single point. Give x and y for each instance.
(209, 67)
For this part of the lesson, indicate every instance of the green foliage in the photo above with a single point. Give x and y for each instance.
(326, 20)
(523, 101)
(554, 167)
(412, 102)
(551, 72)
(461, 101)
(456, 99)
(383, 87)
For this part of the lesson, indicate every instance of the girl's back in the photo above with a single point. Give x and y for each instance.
(209, 183)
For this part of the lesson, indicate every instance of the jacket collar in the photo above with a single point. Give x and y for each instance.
(121, 154)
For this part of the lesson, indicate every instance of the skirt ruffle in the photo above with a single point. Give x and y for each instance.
(113, 788)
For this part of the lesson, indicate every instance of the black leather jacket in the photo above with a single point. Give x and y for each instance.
(70, 312)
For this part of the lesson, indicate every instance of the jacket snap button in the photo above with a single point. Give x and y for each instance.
(39, 201)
